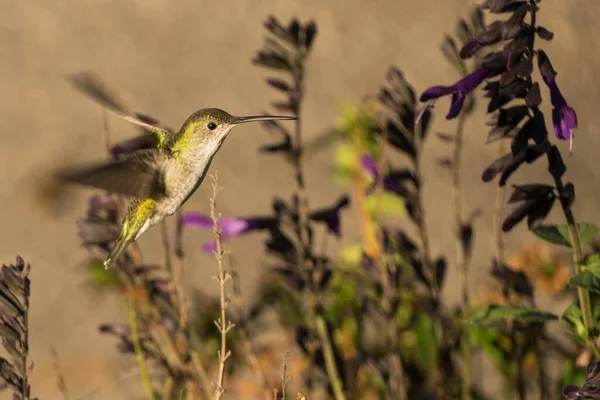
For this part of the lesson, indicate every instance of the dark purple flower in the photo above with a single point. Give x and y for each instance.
(230, 227)
(368, 164)
(564, 118)
(459, 90)
(331, 216)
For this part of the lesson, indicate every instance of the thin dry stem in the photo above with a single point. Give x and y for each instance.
(222, 324)
(284, 381)
(60, 378)
(498, 210)
(462, 259)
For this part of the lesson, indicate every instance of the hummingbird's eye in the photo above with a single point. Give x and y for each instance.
(212, 126)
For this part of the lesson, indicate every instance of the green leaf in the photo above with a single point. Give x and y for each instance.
(550, 233)
(573, 317)
(559, 235)
(391, 205)
(587, 232)
(426, 346)
(592, 264)
(587, 280)
(496, 313)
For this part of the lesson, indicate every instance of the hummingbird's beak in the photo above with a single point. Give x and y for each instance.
(241, 120)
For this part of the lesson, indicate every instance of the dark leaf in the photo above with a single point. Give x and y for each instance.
(279, 84)
(278, 30)
(446, 137)
(477, 20)
(425, 121)
(495, 60)
(518, 214)
(513, 26)
(492, 34)
(463, 32)
(399, 84)
(469, 49)
(450, 51)
(516, 281)
(540, 211)
(544, 33)
(523, 68)
(514, 50)
(282, 106)
(529, 192)
(466, 239)
(285, 146)
(556, 166)
(534, 96)
(397, 139)
(544, 65)
(271, 60)
(440, 271)
(567, 196)
(294, 30)
(310, 32)
(509, 163)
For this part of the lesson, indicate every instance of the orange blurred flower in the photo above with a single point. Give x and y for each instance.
(543, 266)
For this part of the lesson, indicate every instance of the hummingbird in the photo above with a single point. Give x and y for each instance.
(159, 179)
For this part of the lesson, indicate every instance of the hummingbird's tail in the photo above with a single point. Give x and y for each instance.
(116, 252)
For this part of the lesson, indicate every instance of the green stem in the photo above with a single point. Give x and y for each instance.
(139, 352)
(584, 295)
(330, 366)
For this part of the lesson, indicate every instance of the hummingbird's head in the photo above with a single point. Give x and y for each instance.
(213, 124)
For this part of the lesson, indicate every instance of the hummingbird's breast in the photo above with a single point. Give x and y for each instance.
(184, 175)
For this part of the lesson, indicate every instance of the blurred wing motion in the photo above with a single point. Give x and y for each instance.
(140, 174)
(94, 87)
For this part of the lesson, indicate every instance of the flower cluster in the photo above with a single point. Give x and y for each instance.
(507, 72)
(514, 66)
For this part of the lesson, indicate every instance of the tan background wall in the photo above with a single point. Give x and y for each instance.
(169, 58)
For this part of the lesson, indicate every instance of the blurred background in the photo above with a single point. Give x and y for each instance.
(170, 58)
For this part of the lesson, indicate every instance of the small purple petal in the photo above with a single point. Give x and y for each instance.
(561, 130)
(570, 117)
(458, 100)
(210, 247)
(471, 81)
(435, 92)
(368, 164)
(197, 219)
(231, 227)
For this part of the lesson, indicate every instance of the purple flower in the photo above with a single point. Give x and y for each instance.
(230, 227)
(389, 182)
(564, 118)
(331, 216)
(233, 226)
(459, 90)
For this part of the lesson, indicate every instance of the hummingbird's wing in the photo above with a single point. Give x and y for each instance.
(139, 174)
(94, 87)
